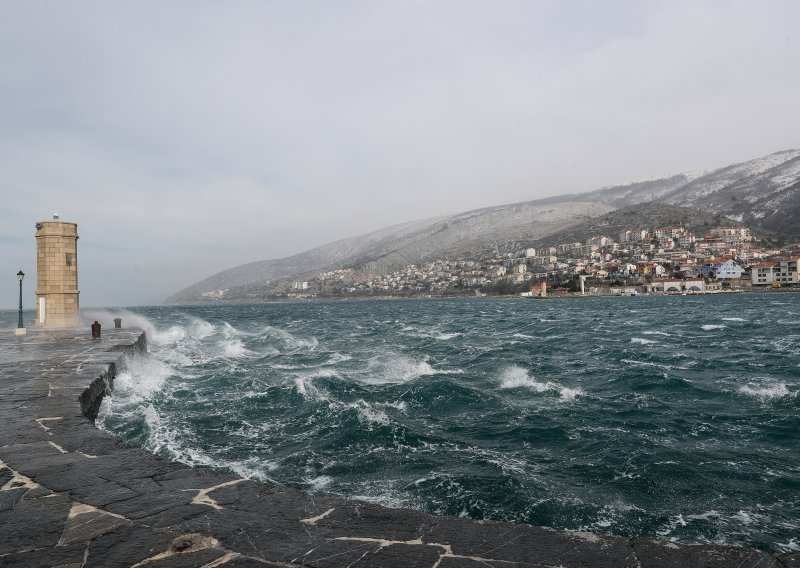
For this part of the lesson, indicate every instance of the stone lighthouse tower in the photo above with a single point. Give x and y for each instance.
(57, 274)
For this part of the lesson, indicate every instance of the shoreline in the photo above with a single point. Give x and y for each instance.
(472, 296)
(75, 495)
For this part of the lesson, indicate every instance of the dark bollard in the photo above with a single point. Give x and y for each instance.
(117, 323)
(96, 330)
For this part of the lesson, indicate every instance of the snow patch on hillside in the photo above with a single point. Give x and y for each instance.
(787, 176)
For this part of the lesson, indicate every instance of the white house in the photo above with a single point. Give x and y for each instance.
(787, 272)
(764, 273)
(728, 269)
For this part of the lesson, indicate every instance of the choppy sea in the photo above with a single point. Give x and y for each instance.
(674, 418)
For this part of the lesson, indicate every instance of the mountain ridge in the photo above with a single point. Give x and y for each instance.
(763, 193)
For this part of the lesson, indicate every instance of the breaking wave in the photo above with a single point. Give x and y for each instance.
(766, 392)
(517, 377)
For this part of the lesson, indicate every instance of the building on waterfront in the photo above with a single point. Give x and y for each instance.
(764, 273)
(677, 285)
(721, 269)
(787, 272)
(57, 292)
(729, 269)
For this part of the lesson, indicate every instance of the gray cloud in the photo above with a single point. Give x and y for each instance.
(188, 137)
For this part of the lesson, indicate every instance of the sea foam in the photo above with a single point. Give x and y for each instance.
(516, 377)
(766, 392)
(143, 377)
(395, 368)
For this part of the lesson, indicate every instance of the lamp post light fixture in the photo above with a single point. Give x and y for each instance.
(20, 327)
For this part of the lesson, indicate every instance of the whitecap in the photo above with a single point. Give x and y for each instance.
(170, 336)
(233, 348)
(142, 378)
(322, 374)
(708, 515)
(766, 392)
(289, 341)
(447, 336)
(791, 546)
(394, 368)
(373, 415)
(250, 468)
(523, 336)
(151, 419)
(400, 405)
(673, 523)
(200, 328)
(567, 393)
(308, 390)
(229, 330)
(644, 363)
(733, 319)
(431, 333)
(516, 377)
(367, 412)
(712, 326)
(320, 482)
(338, 358)
(651, 332)
(162, 438)
(642, 341)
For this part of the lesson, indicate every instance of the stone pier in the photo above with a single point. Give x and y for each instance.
(73, 496)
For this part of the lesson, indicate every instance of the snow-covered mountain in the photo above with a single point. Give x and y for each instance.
(764, 193)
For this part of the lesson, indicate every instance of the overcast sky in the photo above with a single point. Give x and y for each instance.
(185, 138)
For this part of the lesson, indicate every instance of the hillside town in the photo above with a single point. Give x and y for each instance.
(658, 260)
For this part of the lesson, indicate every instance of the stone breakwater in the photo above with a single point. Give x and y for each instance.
(74, 496)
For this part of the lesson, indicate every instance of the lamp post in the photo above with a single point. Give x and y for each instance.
(20, 327)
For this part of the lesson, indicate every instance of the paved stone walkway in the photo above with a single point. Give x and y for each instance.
(73, 496)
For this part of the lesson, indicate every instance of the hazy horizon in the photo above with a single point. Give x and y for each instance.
(188, 138)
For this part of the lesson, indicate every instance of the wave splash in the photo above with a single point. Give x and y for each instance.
(767, 392)
(516, 377)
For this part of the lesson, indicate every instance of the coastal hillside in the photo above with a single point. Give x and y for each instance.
(239, 278)
(641, 216)
(763, 193)
(389, 249)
